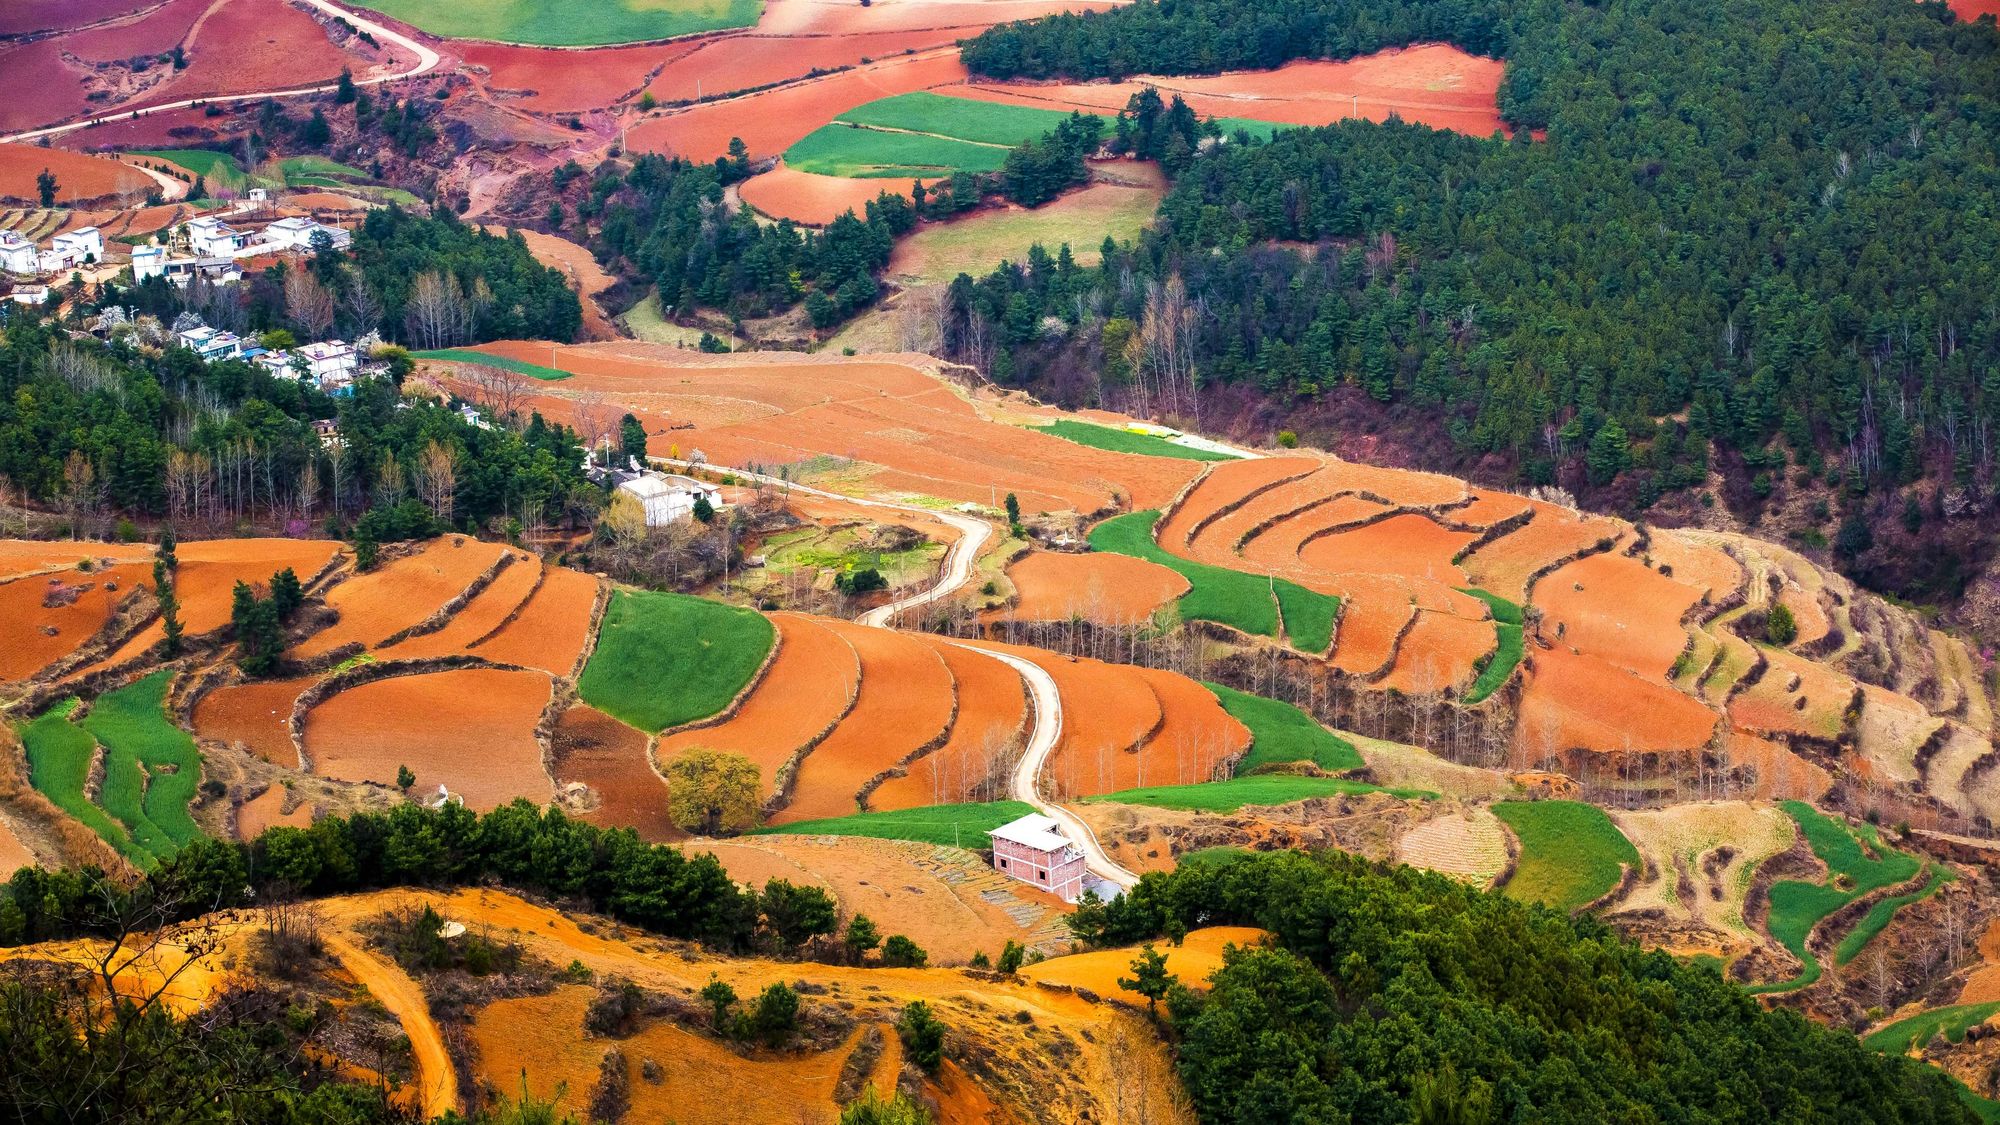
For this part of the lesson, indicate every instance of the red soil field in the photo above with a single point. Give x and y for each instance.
(1781, 774)
(18, 16)
(480, 616)
(551, 631)
(1407, 544)
(985, 733)
(1439, 652)
(209, 571)
(583, 273)
(808, 687)
(1582, 703)
(1196, 739)
(1216, 540)
(1370, 624)
(14, 854)
(1108, 712)
(725, 64)
(1279, 546)
(770, 121)
(1695, 563)
(1228, 483)
(1814, 708)
(266, 810)
(1194, 960)
(155, 32)
(249, 45)
(907, 700)
(1625, 613)
(556, 80)
(1504, 565)
(1434, 84)
(1403, 487)
(77, 176)
(257, 714)
(22, 556)
(134, 220)
(1970, 10)
(399, 594)
(1488, 508)
(1110, 589)
(803, 197)
(476, 734)
(610, 757)
(41, 87)
(819, 17)
(38, 637)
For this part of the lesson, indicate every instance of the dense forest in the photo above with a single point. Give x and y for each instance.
(1761, 223)
(96, 430)
(1395, 995)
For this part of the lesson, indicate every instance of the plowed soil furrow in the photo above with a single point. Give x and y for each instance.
(985, 734)
(399, 594)
(470, 730)
(550, 631)
(257, 714)
(480, 616)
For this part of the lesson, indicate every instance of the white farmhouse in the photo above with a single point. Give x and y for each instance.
(208, 343)
(148, 261)
(17, 254)
(210, 237)
(84, 244)
(670, 498)
(297, 234)
(331, 363)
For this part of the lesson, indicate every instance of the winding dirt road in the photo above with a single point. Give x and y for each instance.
(435, 1079)
(427, 60)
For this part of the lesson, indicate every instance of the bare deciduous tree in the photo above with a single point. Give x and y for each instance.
(437, 311)
(437, 478)
(308, 304)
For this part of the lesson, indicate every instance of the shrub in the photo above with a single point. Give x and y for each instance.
(775, 1016)
(1780, 628)
(900, 952)
(922, 1035)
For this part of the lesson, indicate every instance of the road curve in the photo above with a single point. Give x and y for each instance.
(427, 60)
(434, 1077)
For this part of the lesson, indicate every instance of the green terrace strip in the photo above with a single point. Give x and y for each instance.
(595, 24)
(319, 167)
(666, 659)
(1281, 734)
(965, 119)
(1257, 789)
(151, 767)
(1862, 861)
(1571, 853)
(958, 826)
(1915, 1031)
(467, 355)
(1507, 645)
(1234, 598)
(218, 169)
(59, 759)
(852, 151)
(1128, 441)
(1878, 916)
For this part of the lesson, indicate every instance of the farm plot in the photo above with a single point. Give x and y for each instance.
(1879, 915)
(1410, 544)
(1469, 846)
(1440, 653)
(220, 170)
(1508, 645)
(1101, 587)
(1228, 486)
(206, 580)
(1619, 610)
(1249, 602)
(470, 730)
(267, 810)
(1571, 853)
(666, 659)
(957, 826)
(550, 630)
(985, 739)
(1911, 1033)
(1504, 565)
(78, 176)
(811, 198)
(1700, 859)
(375, 606)
(151, 769)
(1282, 734)
(51, 616)
(1129, 441)
(906, 705)
(938, 252)
(1194, 960)
(486, 612)
(257, 715)
(1795, 696)
(1259, 789)
(1277, 546)
(867, 154)
(1857, 862)
(606, 23)
(60, 756)
(1572, 702)
(19, 557)
(596, 750)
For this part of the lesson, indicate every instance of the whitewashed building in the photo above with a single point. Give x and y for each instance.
(148, 261)
(210, 237)
(297, 234)
(17, 254)
(670, 498)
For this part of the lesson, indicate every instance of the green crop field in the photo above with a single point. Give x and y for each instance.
(59, 756)
(219, 169)
(1570, 852)
(1232, 597)
(1858, 859)
(540, 23)
(1507, 645)
(1126, 441)
(151, 767)
(1878, 916)
(1233, 794)
(966, 119)
(1309, 616)
(1917, 1030)
(293, 166)
(1281, 733)
(466, 355)
(961, 826)
(848, 150)
(666, 659)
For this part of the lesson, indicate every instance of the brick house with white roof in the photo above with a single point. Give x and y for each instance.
(1034, 850)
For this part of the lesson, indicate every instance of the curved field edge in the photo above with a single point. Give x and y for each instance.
(1797, 906)
(1257, 789)
(666, 659)
(603, 23)
(1282, 734)
(958, 826)
(1241, 600)
(1508, 645)
(1571, 853)
(1127, 441)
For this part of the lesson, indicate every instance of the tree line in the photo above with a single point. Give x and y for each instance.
(1391, 994)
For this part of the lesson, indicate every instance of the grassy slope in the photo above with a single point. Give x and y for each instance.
(151, 766)
(1878, 916)
(1126, 441)
(1507, 645)
(1282, 733)
(936, 253)
(1233, 597)
(990, 123)
(1233, 794)
(1917, 1030)
(59, 754)
(1570, 852)
(597, 23)
(467, 355)
(665, 659)
(962, 826)
(1796, 907)
(843, 150)
(218, 169)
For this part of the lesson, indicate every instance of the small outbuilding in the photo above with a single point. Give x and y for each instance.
(1034, 850)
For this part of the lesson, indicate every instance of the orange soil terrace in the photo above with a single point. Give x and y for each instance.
(1109, 712)
(1226, 486)
(266, 810)
(1505, 565)
(1695, 563)
(1194, 960)
(21, 556)
(77, 176)
(487, 611)
(206, 581)
(14, 854)
(1433, 84)
(599, 751)
(551, 629)
(1278, 547)
(806, 690)
(1815, 707)
(1196, 740)
(921, 436)
(398, 594)
(1411, 545)
(39, 636)
(1106, 588)
(906, 704)
(1619, 610)
(19, 16)
(1439, 652)
(985, 733)
(470, 730)
(257, 714)
(1580, 702)
(804, 197)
